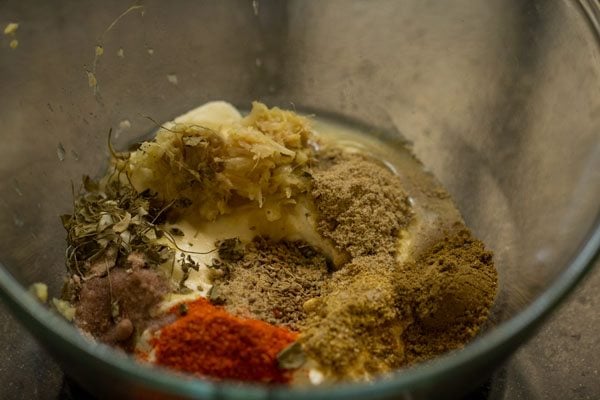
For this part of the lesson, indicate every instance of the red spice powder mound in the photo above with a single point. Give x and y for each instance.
(210, 342)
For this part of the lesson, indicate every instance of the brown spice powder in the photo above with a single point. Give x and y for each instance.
(361, 204)
(354, 330)
(269, 280)
(451, 290)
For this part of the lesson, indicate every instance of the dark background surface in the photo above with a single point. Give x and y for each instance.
(561, 362)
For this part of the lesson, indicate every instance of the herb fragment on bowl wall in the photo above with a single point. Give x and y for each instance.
(40, 291)
(60, 152)
(172, 78)
(11, 28)
(64, 308)
(92, 82)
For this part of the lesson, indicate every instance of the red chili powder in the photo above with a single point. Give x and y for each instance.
(208, 341)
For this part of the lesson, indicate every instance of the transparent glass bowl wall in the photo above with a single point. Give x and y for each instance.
(499, 99)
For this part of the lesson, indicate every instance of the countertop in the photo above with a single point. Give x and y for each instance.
(560, 362)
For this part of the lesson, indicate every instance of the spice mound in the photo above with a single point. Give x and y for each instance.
(208, 341)
(272, 248)
(270, 281)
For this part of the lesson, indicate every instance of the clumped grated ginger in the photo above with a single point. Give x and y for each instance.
(261, 161)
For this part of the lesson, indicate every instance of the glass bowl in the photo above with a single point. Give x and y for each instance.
(499, 99)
